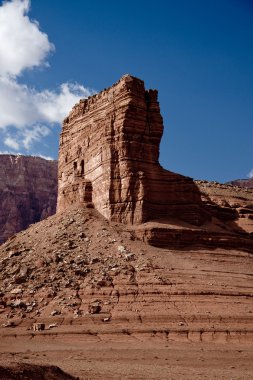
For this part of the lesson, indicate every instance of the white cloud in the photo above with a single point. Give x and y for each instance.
(54, 107)
(26, 137)
(11, 143)
(17, 104)
(10, 152)
(34, 134)
(22, 44)
(29, 112)
(250, 175)
(22, 106)
(48, 158)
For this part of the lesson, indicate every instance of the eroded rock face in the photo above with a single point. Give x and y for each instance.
(78, 267)
(109, 151)
(229, 204)
(230, 225)
(28, 191)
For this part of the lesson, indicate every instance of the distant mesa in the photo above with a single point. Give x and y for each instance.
(28, 192)
(247, 183)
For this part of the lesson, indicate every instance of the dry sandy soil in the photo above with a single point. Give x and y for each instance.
(134, 356)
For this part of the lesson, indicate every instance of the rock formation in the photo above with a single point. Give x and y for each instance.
(109, 151)
(88, 274)
(230, 225)
(28, 191)
(109, 156)
(229, 204)
(248, 183)
(78, 269)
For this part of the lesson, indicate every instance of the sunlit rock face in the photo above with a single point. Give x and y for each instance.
(109, 156)
(28, 192)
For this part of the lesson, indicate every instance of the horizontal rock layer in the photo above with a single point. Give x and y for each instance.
(230, 225)
(109, 151)
(231, 207)
(77, 268)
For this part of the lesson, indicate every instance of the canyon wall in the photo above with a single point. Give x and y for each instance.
(28, 191)
(109, 155)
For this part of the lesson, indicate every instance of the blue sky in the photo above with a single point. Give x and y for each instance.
(198, 54)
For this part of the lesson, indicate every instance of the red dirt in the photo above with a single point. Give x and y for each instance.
(165, 313)
(134, 356)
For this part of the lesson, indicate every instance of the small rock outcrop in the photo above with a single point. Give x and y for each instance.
(248, 183)
(28, 191)
(109, 155)
(229, 204)
(24, 371)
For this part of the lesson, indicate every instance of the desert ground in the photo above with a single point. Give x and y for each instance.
(130, 355)
(115, 307)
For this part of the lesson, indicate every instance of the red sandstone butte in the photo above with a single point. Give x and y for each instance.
(109, 155)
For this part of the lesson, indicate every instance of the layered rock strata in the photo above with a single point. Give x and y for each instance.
(230, 225)
(28, 191)
(230, 206)
(78, 269)
(109, 155)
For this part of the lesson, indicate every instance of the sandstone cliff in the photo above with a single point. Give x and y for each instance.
(109, 155)
(28, 191)
(82, 266)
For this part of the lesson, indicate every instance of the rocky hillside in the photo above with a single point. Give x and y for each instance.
(248, 183)
(77, 268)
(28, 191)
